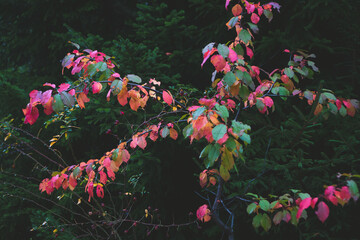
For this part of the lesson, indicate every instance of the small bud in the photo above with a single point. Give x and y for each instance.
(108, 131)
(126, 231)
(116, 122)
(121, 113)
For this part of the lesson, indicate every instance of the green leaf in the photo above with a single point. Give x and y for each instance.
(116, 86)
(304, 195)
(245, 36)
(223, 50)
(342, 111)
(222, 111)
(133, 78)
(265, 222)
(264, 205)
(245, 138)
(333, 108)
(205, 151)
(252, 195)
(165, 132)
(260, 105)
(251, 208)
(353, 189)
(67, 99)
(289, 72)
(213, 155)
(91, 69)
(248, 80)
(244, 92)
(301, 71)
(188, 130)
(239, 49)
(253, 27)
(219, 131)
(230, 78)
(329, 96)
(198, 112)
(102, 66)
(268, 14)
(57, 103)
(230, 144)
(257, 220)
(233, 21)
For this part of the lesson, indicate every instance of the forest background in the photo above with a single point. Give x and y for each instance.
(163, 40)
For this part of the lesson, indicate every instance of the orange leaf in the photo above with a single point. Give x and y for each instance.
(236, 10)
(81, 98)
(318, 109)
(173, 133)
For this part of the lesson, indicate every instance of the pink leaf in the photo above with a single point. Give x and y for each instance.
(96, 87)
(227, 3)
(232, 55)
(304, 204)
(116, 75)
(72, 92)
(63, 87)
(203, 213)
(322, 212)
(167, 97)
(313, 202)
(49, 85)
(268, 102)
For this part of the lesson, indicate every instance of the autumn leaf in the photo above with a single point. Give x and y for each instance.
(236, 10)
(63, 87)
(81, 98)
(173, 133)
(304, 204)
(255, 18)
(203, 213)
(322, 212)
(31, 114)
(96, 87)
(219, 62)
(167, 97)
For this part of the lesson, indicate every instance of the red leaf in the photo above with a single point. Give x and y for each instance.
(167, 97)
(219, 62)
(322, 212)
(249, 52)
(31, 114)
(255, 18)
(100, 191)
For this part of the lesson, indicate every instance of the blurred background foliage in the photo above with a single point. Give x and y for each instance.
(163, 40)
